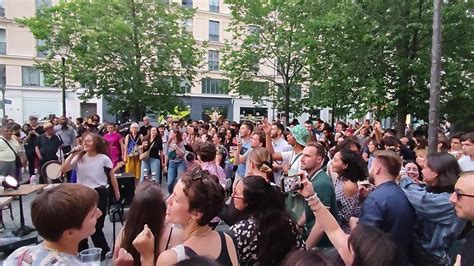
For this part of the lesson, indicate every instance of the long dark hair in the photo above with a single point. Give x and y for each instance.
(277, 232)
(366, 242)
(448, 171)
(148, 207)
(356, 169)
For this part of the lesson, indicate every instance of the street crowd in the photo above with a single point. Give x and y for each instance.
(307, 194)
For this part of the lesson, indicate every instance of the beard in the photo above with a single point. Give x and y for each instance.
(372, 179)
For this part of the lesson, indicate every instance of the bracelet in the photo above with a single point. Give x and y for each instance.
(312, 197)
(316, 206)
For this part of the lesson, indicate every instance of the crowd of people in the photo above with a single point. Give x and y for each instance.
(250, 193)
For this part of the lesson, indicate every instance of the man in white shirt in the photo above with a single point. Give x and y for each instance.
(279, 145)
(467, 161)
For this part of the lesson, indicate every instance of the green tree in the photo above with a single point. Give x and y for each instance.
(376, 57)
(265, 58)
(133, 53)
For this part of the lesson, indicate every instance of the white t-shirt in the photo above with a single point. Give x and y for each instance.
(90, 170)
(293, 159)
(466, 163)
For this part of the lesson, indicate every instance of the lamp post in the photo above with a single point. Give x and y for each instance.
(63, 84)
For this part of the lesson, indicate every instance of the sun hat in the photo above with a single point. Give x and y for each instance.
(300, 133)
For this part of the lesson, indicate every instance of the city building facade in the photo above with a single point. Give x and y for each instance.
(207, 97)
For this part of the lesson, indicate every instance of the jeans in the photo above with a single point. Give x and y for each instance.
(175, 168)
(152, 165)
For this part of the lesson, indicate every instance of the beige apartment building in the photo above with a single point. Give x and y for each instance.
(26, 93)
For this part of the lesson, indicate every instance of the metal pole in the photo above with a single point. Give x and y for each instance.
(64, 85)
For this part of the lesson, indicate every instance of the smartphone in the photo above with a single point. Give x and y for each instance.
(291, 183)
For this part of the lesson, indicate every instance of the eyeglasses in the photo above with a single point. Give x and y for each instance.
(235, 196)
(459, 194)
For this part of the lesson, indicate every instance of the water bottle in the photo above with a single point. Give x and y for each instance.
(145, 174)
(153, 177)
(33, 178)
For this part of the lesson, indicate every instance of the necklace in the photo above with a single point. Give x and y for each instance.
(52, 249)
(201, 234)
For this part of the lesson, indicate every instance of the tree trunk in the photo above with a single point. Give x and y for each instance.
(435, 79)
(287, 104)
(401, 122)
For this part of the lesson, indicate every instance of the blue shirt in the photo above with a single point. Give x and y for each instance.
(388, 209)
(242, 167)
(438, 225)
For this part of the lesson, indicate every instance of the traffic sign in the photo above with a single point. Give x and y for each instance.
(6, 101)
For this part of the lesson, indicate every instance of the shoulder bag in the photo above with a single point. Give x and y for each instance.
(17, 158)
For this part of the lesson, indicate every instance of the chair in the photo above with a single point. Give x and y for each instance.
(116, 209)
(6, 203)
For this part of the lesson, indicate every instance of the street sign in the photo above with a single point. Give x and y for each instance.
(6, 101)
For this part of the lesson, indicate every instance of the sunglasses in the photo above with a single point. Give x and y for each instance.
(459, 194)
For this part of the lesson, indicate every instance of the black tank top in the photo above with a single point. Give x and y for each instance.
(223, 259)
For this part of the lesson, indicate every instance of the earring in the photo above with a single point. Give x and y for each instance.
(190, 220)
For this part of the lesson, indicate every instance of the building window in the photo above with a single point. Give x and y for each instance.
(39, 46)
(3, 76)
(185, 86)
(2, 8)
(214, 6)
(42, 3)
(213, 30)
(215, 86)
(188, 25)
(187, 3)
(32, 76)
(213, 61)
(3, 42)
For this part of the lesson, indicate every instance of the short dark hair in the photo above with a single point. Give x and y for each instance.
(248, 125)
(343, 125)
(320, 149)
(204, 194)
(279, 126)
(206, 151)
(366, 241)
(308, 122)
(468, 137)
(389, 141)
(458, 135)
(61, 208)
(446, 166)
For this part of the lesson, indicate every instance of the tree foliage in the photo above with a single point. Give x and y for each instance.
(268, 46)
(133, 53)
(375, 56)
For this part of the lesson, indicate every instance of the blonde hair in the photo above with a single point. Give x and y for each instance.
(262, 159)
